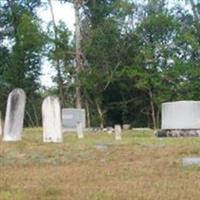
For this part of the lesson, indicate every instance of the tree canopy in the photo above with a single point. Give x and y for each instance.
(125, 59)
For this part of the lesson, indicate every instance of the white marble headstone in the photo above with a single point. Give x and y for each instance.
(118, 132)
(79, 129)
(51, 119)
(14, 120)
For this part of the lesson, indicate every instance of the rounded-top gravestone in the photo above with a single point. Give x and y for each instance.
(14, 120)
(51, 119)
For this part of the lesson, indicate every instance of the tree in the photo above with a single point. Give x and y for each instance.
(59, 54)
(78, 50)
(19, 23)
(101, 47)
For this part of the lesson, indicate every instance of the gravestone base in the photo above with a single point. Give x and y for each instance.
(178, 133)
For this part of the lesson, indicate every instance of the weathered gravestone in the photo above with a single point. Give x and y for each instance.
(118, 132)
(0, 124)
(51, 120)
(14, 120)
(72, 116)
(180, 118)
(79, 130)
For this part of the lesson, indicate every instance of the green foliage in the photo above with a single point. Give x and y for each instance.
(135, 57)
(21, 64)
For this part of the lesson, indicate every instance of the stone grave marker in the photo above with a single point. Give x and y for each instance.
(191, 161)
(14, 120)
(51, 120)
(118, 132)
(180, 118)
(72, 116)
(126, 126)
(109, 130)
(80, 130)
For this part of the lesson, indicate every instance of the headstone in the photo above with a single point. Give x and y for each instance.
(102, 147)
(191, 161)
(0, 124)
(118, 132)
(51, 120)
(126, 126)
(14, 120)
(109, 130)
(181, 115)
(180, 119)
(72, 116)
(80, 130)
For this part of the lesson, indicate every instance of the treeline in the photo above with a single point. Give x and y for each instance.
(126, 58)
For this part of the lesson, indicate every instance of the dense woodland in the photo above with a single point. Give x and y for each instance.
(125, 58)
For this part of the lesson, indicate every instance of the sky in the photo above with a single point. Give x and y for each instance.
(64, 12)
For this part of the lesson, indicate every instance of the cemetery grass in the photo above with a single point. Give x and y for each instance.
(141, 167)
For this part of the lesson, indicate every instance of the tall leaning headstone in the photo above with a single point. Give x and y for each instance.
(51, 120)
(14, 120)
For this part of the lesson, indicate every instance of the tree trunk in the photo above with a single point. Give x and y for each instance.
(153, 113)
(78, 61)
(87, 112)
(101, 114)
(158, 119)
(31, 122)
(58, 69)
(37, 123)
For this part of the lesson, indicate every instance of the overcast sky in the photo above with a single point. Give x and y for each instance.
(64, 12)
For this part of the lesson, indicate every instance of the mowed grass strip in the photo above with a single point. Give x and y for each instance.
(141, 167)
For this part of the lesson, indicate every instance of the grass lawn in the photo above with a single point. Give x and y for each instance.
(140, 167)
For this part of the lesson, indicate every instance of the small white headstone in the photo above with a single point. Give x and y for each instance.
(0, 124)
(79, 129)
(14, 121)
(51, 120)
(118, 132)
